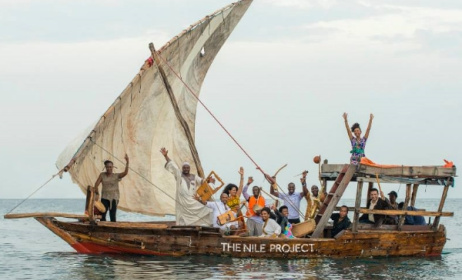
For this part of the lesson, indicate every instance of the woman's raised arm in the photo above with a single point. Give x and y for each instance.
(345, 117)
(369, 127)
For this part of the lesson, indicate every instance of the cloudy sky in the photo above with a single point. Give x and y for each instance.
(280, 84)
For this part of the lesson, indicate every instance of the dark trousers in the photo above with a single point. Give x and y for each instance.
(112, 211)
(294, 221)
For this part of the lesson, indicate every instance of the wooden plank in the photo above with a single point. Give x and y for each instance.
(45, 214)
(410, 171)
(359, 191)
(440, 208)
(407, 212)
(335, 199)
(137, 225)
(399, 171)
(406, 204)
(370, 228)
(414, 194)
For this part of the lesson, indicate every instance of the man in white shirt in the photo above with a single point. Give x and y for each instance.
(219, 208)
(291, 200)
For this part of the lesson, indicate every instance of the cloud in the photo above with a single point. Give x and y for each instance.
(303, 4)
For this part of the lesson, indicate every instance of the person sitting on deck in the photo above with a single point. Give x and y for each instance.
(255, 205)
(341, 220)
(291, 200)
(188, 210)
(412, 220)
(282, 219)
(377, 203)
(392, 197)
(218, 209)
(110, 190)
(358, 144)
(270, 227)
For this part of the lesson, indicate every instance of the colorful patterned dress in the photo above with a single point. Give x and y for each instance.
(357, 151)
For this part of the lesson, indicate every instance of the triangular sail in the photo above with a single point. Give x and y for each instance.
(142, 119)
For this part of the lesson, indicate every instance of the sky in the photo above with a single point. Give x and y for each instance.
(280, 84)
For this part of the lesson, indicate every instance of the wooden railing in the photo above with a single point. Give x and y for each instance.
(407, 212)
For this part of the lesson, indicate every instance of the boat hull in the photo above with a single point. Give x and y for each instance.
(160, 239)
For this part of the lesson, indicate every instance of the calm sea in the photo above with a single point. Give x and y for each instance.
(30, 251)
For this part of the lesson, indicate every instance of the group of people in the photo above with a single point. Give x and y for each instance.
(376, 202)
(261, 219)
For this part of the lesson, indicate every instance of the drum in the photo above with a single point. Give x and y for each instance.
(100, 207)
(257, 208)
(303, 228)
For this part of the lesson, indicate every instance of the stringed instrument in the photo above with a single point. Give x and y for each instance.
(205, 191)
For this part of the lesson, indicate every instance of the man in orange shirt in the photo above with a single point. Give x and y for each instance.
(256, 203)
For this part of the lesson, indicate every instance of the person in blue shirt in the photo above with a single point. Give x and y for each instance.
(412, 220)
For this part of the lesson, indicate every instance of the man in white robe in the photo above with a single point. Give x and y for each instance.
(188, 210)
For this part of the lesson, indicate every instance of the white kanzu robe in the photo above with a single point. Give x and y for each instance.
(188, 210)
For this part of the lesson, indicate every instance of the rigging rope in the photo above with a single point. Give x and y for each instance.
(220, 124)
(43, 185)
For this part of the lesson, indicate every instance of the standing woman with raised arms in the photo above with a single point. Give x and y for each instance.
(110, 191)
(358, 144)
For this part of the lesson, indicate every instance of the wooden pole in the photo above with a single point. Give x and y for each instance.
(178, 114)
(91, 205)
(440, 208)
(414, 194)
(318, 232)
(369, 188)
(406, 204)
(359, 191)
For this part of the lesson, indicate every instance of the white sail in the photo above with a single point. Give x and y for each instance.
(142, 119)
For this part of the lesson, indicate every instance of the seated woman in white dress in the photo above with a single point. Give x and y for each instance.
(270, 227)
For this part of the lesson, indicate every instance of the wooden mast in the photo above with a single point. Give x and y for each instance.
(178, 114)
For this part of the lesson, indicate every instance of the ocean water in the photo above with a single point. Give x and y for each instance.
(30, 251)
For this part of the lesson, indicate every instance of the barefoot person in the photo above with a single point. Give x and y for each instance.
(110, 190)
(188, 210)
(358, 144)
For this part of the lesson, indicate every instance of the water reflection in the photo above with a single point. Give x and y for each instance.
(77, 266)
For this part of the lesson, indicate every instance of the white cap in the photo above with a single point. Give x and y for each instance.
(186, 164)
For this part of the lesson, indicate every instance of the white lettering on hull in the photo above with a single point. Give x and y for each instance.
(262, 248)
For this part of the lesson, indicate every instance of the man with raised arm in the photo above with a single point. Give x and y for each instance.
(256, 204)
(377, 202)
(188, 210)
(291, 199)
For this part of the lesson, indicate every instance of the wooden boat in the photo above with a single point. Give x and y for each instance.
(157, 110)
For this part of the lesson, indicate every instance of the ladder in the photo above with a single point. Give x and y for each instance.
(332, 198)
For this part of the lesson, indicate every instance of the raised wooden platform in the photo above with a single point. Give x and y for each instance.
(428, 175)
